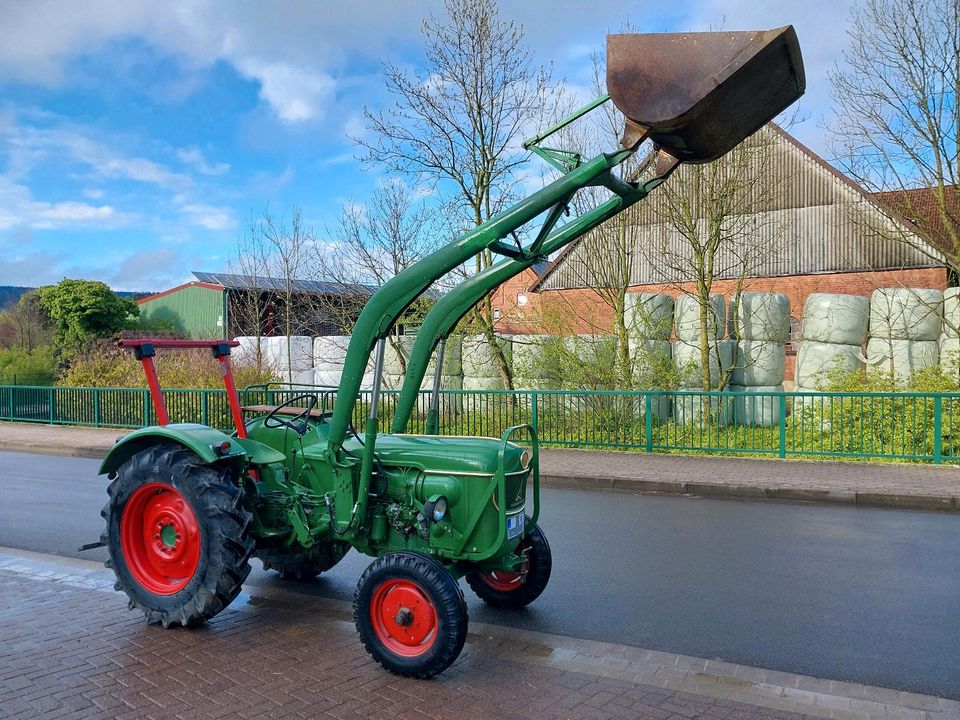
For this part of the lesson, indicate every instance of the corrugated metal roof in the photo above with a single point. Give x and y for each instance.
(816, 220)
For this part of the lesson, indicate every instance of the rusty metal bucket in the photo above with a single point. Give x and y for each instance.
(698, 95)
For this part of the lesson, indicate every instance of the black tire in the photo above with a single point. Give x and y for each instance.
(303, 564)
(437, 593)
(529, 586)
(222, 531)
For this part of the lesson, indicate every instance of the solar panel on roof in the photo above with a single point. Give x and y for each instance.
(244, 282)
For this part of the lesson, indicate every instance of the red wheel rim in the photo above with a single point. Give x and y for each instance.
(160, 539)
(505, 580)
(404, 619)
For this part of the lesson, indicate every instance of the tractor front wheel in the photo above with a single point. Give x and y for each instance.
(178, 536)
(410, 614)
(303, 564)
(513, 590)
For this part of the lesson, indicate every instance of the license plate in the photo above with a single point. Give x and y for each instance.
(515, 525)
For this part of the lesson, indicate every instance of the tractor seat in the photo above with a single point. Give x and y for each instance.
(267, 409)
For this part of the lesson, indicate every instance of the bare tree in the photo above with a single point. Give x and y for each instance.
(250, 307)
(897, 126)
(459, 120)
(711, 224)
(374, 242)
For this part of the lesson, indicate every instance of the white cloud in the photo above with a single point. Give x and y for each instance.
(296, 94)
(19, 208)
(208, 216)
(194, 157)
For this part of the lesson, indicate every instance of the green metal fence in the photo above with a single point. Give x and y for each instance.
(893, 426)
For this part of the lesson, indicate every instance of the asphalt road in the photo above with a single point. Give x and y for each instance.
(870, 596)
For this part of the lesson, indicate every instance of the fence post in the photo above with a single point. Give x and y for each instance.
(51, 406)
(146, 407)
(647, 422)
(783, 425)
(96, 407)
(938, 429)
(12, 391)
(203, 408)
(534, 415)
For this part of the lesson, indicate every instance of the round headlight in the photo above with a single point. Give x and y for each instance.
(439, 509)
(525, 459)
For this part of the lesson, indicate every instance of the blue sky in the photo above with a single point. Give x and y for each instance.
(138, 138)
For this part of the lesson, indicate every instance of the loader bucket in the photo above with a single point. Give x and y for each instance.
(697, 95)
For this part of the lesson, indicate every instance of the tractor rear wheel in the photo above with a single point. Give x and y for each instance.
(410, 614)
(178, 536)
(303, 564)
(514, 590)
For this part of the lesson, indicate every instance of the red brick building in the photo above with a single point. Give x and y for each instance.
(831, 236)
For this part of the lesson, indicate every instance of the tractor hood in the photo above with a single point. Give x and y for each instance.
(466, 455)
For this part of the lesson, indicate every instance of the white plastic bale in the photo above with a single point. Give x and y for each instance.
(757, 406)
(450, 403)
(294, 352)
(328, 378)
(687, 357)
(687, 317)
(660, 406)
(951, 312)
(759, 363)
(648, 315)
(838, 319)
(330, 351)
(298, 377)
(760, 316)
(906, 313)
(816, 360)
(695, 409)
(481, 384)
(902, 357)
(246, 352)
(590, 346)
(530, 352)
(478, 358)
(950, 354)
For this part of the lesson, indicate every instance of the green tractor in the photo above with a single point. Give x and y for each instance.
(297, 486)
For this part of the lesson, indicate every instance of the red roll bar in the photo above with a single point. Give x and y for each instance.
(146, 348)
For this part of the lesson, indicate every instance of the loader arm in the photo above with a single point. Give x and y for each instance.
(444, 316)
(697, 95)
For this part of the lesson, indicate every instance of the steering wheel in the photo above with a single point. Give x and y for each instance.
(297, 423)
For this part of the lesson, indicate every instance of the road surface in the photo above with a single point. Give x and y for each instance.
(869, 596)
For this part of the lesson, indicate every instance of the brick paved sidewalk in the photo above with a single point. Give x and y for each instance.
(70, 649)
(897, 485)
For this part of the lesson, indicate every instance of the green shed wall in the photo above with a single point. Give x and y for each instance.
(195, 311)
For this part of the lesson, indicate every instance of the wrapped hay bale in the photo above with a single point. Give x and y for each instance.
(686, 316)
(906, 313)
(756, 406)
(696, 409)
(477, 357)
(688, 360)
(330, 352)
(815, 360)
(837, 319)
(902, 357)
(951, 312)
(247, 352)
(759, 363)
(286, 353)
(649, 315)
(760, 316)
(531, 354)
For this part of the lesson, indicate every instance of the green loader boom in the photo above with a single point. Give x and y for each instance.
(298, 486)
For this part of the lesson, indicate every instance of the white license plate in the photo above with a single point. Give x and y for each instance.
(515, 525)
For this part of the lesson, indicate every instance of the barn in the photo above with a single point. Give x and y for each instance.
(822, 231)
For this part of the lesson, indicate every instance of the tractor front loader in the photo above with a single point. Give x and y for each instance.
(299, 487)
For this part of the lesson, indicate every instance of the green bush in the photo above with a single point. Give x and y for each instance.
(22, 367)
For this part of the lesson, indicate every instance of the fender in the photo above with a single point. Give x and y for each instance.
(199, 439)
